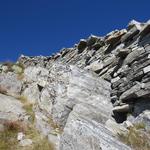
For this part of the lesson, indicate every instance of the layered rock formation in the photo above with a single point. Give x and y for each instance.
(84, 97)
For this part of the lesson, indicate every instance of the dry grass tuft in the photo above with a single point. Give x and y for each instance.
(136, 138)
(17, 126)
(8, 138)
(28, 107)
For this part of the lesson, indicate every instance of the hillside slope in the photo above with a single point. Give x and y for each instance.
(90, 97)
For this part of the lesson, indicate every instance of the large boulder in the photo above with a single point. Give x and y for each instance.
(69, 86)
(85, 131)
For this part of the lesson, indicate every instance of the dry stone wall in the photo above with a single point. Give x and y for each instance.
(122, 57)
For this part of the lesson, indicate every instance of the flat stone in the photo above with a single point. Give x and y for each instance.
(130, 34)
(11, 109)
(146, 69)
(133, 23)
(145, 30)
(95, 66)
(85, 131)
(133, 56)
(123, 108)
(123, 52)
(130, 93)
(25, 142)
(115, 37)
(20, 136)
(82, 45)
(92, 40)
(115, 79)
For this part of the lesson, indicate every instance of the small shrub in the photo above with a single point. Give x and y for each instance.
(140, 125)
(29, 109)
(54, 125)
(43, 144)
(23, 99)
(16, 126)
(20, 76)
(8, 138)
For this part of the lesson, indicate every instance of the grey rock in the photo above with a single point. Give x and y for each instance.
(145, 30)
(130, 34)
(95, 66)
(82, 45)
(146, 69)
(25, 142)
(123, 108)
(115, 128)
(32, 93)
(36, 74)
(20, 136)
(115, 37)
(10, 84)
(92, 40)
(133, 56)
(11, 109)
(87, 133)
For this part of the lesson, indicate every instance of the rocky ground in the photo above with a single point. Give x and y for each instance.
(94, 96)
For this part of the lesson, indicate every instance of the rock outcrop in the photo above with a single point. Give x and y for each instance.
(85, 97)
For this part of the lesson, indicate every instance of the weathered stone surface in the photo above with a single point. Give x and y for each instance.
(71, 85)
(92, 40)
(115, 38)
(36, 74)
(74, 89)
(9, 83)
(25, 142)
(145, 30)
(123, 108)
(10, 109)
(130, 34)
(82, 45)
(115, 128)
(146, 69)
(133, 56)
(32, 93)
(95, 66)
(86, 132)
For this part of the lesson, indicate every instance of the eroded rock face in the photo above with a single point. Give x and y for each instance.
(85, 130)
(82, 93)
(67, 86)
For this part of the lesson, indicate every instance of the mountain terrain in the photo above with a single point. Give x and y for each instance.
(93, 96)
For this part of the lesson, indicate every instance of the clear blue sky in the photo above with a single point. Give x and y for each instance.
(41, 27)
